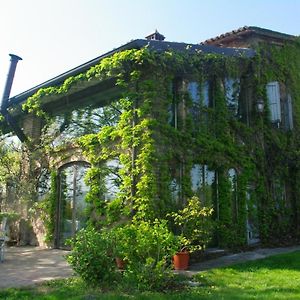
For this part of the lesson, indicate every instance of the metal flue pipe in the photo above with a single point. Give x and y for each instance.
(4, 103)
(14, 59)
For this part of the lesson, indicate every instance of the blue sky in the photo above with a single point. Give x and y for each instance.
(53, 36)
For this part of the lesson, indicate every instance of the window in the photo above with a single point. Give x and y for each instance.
(232, 176)
(112, 179)
(202, 183)
(173, 107)
(176, 172)
(273, 94)
(175, 190)
(278, 190)
(194, 92)
(71, 210)
(280, 105)
(172, 114)
(199, 94)
(232, 92)
(83, 121)
(252, 223)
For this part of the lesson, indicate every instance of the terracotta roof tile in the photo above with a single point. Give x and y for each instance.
(249, 29)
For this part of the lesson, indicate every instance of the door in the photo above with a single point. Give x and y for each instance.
(71, 212)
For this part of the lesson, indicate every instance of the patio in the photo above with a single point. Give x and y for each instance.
(25, 266)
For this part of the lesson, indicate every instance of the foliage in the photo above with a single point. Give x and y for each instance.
(195, 223)
(277, 164)
(47, 208)
(10, 162)
(11, 216)
(91, 256)
(268, 278)
(147, 249)
(156, 130)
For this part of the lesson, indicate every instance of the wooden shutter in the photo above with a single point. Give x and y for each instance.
(273, 94)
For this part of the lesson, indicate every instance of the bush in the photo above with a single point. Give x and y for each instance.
(195, 225)
(147, 248)
(91, 256)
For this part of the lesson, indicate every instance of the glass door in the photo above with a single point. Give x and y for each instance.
(71, 202)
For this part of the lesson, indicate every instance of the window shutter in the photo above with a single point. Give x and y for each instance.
(273, 94)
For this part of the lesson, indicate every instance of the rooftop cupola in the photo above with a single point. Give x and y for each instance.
(156, 36)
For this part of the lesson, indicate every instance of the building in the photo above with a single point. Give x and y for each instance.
(153, 123)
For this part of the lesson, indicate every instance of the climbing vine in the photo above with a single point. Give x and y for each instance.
(156, 140)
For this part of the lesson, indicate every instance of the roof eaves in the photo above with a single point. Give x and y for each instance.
(80, 69)
(249, 29)
(159, 46)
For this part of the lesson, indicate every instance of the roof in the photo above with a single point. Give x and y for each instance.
(248, 30)
(159, 46)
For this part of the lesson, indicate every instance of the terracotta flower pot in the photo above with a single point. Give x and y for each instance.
(120, 263)
(181, 260)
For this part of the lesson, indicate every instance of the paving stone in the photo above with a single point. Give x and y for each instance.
(25, 266)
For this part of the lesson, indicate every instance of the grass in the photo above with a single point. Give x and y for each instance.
(276, 277)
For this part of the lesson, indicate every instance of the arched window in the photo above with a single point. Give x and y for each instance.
(71, 201)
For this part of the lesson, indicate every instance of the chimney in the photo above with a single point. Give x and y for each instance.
(156, 36)
(4, 104)
(9, 80)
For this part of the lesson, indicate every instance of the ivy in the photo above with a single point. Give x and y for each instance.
(47, 208)
(154, 150)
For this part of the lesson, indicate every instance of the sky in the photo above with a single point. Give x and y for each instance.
(54, 36)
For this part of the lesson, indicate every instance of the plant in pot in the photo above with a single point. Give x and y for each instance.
(195, 226)
(146, 246)
(121, 236)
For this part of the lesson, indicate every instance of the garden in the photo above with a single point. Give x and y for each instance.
(276, 277)
(149, 215)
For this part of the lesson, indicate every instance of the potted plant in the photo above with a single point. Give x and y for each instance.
(195, 228)
(119, 238)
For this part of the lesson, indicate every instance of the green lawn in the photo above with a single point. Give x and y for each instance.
(277, 277)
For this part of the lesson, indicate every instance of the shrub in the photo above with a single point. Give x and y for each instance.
(195, 225)
(91, 256)
(147, 247)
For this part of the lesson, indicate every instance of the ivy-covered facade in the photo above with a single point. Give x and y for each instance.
(138, 131)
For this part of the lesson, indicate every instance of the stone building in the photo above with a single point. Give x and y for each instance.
(218, 119)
